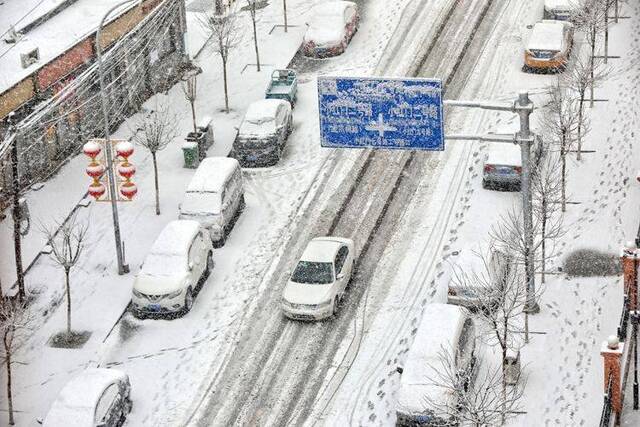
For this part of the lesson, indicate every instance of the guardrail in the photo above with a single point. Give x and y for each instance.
(605, 418)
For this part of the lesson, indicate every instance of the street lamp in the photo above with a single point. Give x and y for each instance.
(122, 266)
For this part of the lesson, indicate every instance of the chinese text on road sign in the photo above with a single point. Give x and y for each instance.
(381, 113)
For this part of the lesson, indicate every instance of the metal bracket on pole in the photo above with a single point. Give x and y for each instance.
(523, 106)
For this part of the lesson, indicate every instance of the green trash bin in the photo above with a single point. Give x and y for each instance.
(191, 155)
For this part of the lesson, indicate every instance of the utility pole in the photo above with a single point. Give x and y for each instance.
(15, 184)
(523, 107)
(122, 266)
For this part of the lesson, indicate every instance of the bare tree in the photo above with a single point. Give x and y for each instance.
(546, 189)
(483, 401)
(225, 36)
(560, 121)
(578, 79)
(190, 92)
(15, 326)
(284, 9)
(508, 234)
(67, 241)
(500, 299)
(154, 131)
(251, 6)
(590, 18)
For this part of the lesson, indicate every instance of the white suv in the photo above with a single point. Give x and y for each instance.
(174, 270)
(318, 282)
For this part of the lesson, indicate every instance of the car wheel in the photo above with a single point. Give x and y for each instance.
(209, 264)
(485, 185)
(336, 304)
(242, 204)
(222, 240)
(188, 300)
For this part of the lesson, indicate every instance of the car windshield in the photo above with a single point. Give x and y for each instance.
(164, 265)
(259, 126)
(319, 273)
(201, 203)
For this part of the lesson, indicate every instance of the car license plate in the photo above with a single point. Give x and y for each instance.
(154, 307)
(504, 171)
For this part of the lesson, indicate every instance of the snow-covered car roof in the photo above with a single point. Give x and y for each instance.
(332, 8)
(76, 403)
(263, 109)
(212, 174)
(175, 238)
(547, 35)
(439, 330)
(500, 153)
(561, 4)
(323, 249)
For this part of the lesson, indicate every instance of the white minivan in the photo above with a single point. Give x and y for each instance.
(443, 327)
(173, 272)
(215, 197)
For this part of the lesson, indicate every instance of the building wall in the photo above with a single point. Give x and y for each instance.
(143, 61)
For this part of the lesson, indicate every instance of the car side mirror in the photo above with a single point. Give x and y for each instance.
(340, 276)
(179, 206)
(399, 369)
(236, 128)
(190, 265)
(39, 420)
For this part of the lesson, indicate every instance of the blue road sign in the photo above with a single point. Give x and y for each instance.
(386, 113)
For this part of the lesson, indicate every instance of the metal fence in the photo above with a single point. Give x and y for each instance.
(624, 320)
(605, 418)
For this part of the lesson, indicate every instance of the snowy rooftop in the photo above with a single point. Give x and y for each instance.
(438, 331)
(53, 36)
(175, 238)
(321, 250)
(76, 402)
(212, 174)
(263, 109)
(547, 35)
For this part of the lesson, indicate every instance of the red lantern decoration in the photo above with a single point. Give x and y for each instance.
(97, 190)
(124, 149)
(91, 149)
(95, 169)
(128, 190)
(126, 170)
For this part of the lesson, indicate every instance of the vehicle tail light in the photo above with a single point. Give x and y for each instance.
(489, 168)
(518, 169)
(452, 292)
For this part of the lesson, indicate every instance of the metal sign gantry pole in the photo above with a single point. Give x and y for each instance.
(525, 138)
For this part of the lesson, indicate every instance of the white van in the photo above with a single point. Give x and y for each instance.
(443, 327)
(215, 197)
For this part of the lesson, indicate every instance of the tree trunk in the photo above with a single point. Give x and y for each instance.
(543, 236)
(255, 35)
(284, 5)
(7, 352)
(193, 114)
(563, 156)
(617, 11)
(17, 238)
(606, 33)
(224, 78)
(580, 119)
(68, 289)
(592, 65)
(157, 184)
(503, 408)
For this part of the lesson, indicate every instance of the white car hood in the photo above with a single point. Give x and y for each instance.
(323, 36)
(155, 285)
(302, 293)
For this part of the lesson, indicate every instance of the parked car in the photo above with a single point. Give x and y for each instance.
(478, 295)
(443, 327)
(173, 272)
(562, 10)
(263, 133)
(503, 167)
(283, 85)
(98, 397)
(549, 46)
(215, 197)
(318, 283)
(331, 29)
